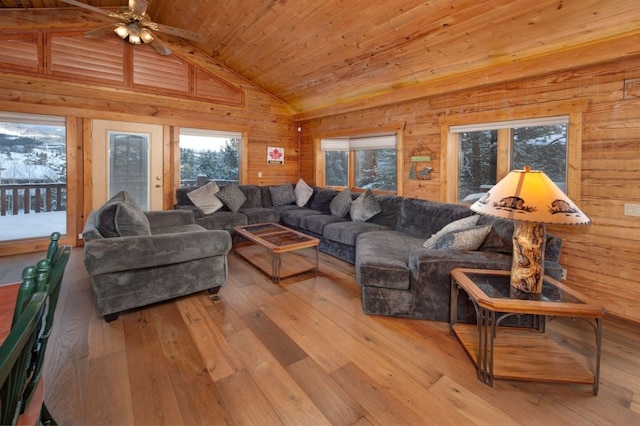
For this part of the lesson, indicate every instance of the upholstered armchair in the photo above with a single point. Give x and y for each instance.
(138, 258)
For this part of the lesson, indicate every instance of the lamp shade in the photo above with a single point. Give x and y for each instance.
(530, 196)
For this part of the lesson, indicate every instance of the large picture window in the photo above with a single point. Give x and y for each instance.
(209, 155)
(361, 162)
(33, 176)
(487, 151)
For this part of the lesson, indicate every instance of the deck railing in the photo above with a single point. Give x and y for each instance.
(28, 198)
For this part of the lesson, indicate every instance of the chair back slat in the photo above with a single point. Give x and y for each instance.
(16, 356)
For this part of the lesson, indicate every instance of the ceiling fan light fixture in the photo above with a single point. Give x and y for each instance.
(122, 31)
(146, 36)
(134, 34)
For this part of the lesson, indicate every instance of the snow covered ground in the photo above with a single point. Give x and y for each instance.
(32, 225)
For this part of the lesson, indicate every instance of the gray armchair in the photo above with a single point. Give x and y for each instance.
(153, 256)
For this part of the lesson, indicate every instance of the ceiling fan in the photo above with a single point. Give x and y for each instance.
(136, 26)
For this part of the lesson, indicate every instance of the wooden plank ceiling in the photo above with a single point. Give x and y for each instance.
(315, 55)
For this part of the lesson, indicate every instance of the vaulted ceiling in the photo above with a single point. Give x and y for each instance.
(315, 54)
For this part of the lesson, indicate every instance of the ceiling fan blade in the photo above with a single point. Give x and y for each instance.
(179, 32)
(100, 31)
(138, 7)
(160, 47)
(88, 7)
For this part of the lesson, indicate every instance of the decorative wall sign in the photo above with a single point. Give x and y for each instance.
(421, 158)
(275, 155)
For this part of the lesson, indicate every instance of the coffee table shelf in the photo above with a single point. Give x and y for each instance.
(269, 243)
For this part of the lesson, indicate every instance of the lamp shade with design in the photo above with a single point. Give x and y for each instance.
(531, 199)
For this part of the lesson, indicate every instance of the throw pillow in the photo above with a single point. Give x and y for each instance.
(232, 197)
(282, 195)
(341, 203)
(121, 217)
(303, 193)
(465, 222)
(205, 199)
(364, 207)
(464, 239)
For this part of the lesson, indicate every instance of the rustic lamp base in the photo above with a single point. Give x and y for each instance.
(527, 269)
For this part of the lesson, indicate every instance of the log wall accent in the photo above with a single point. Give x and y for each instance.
(602, 260)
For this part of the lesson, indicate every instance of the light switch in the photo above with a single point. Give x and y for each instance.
(632, 209)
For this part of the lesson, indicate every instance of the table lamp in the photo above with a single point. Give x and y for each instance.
(532, 200)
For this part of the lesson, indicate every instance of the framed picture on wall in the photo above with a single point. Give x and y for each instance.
(275, 155)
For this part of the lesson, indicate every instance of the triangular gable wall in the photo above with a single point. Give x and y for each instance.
(111, 62)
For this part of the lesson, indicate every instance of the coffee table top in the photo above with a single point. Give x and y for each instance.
(492, 290)
(276, 237)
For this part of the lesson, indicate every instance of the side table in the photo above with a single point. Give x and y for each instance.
(522, 353)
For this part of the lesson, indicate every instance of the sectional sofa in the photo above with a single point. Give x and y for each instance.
(398, 275)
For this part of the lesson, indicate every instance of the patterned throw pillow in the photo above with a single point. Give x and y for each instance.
(303, 193)
(232, 197)
(364, 207)
(205, 199)
(464, 239)
(282, 195)
(341, 203)
(465, 222)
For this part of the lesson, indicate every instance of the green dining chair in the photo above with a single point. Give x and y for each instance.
(16, 356)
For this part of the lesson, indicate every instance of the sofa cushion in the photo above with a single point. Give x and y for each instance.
(390, 206)
(464, 223)
(303, 193)
(316, 223)
(225, 220)
(347, 232)
(232, 197)
(463, 239)
(364, 207)
(322, 200)
(253, 194)
(261, 215)
(292, 217)
(382, 259)
(341, 203)
(121, 217)
(499, 239)
(282, 195)
(205, 198)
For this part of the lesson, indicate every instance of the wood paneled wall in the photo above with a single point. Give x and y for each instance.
(264, 120)
(602, 259)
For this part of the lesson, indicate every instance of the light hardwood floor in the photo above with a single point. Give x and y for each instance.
(301, 353)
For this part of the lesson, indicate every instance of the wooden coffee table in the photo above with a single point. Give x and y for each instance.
(271, 241)
(522, 353)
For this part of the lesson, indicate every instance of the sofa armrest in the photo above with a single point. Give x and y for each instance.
(110, 255)
(431, 282)
(197, 212)
(168, 218)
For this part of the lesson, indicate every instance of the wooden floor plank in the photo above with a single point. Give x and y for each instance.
(198, 397)
(287, 398)
(334, 402)
(359, 369)
(148, 370)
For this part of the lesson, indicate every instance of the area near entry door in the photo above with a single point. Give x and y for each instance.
(127, 156)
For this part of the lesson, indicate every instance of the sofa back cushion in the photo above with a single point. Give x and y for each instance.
(421, 218)
(322, 200)
(390, 214)
(122, 217)
(253, 194)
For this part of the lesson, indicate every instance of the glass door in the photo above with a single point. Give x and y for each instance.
(127, 156)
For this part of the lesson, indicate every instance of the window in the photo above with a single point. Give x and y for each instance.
(209, 155)
(476, 156)
(33, 176)
(361, 162)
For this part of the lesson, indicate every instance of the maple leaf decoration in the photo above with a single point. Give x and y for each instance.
(275, 154)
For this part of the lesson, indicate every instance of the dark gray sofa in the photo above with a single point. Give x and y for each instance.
(399, 277)
(175, 258)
